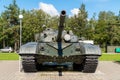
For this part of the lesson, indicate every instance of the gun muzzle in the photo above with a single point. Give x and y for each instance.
(61, 25)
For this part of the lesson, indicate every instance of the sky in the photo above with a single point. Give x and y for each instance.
(53, 7)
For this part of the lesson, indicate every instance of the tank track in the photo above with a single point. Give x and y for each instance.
(29, 63)
(90, 64)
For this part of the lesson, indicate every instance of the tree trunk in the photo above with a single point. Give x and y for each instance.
(3, 43)
(15, 46)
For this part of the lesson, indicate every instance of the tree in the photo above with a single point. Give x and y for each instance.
(53, 22)
(10, 23)
(33, 22)
(82, 21)
(11, 13)
(90, 30)
(107, 31)
(78, 22)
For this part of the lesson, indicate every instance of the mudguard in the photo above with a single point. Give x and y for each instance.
(89, 49)
(29, 48)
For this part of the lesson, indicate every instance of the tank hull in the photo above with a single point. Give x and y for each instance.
(85, 56)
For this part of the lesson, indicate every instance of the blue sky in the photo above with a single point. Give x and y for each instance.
(71, 6)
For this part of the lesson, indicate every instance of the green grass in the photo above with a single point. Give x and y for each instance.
(9, 56)
(110, 57)
(104, 57)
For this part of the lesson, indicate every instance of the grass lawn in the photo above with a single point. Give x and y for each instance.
(104, 57)
(9, 56)
(110, 57)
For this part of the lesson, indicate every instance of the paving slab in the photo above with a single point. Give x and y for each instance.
(106, 70)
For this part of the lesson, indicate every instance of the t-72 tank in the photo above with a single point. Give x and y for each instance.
(59, 46)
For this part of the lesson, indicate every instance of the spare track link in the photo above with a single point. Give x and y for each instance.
(29, 63)
(90, 64)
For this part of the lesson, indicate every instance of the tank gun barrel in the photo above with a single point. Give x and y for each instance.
(61, 25)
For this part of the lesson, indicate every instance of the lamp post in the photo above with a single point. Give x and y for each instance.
(20, 17)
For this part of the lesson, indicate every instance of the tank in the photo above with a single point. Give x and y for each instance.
(59, 46)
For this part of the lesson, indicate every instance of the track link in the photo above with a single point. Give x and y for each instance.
(90, 64)
(29, 63)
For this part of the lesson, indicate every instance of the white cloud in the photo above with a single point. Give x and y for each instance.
(48, 8)
(74, 11)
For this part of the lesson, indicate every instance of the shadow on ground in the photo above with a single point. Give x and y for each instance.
(59, 68)
(118, 62)
(54, 67)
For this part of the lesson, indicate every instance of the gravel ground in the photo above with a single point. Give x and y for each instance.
(106, 70)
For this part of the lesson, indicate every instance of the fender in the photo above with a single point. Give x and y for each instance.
(29, 48)
(90, 49)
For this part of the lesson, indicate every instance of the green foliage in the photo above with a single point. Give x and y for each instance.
(33, 22)
(11, 14)
(107, 29)
(104, 31)
(78, 22)
(90, 28)
(53, 22)
(9, 22)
